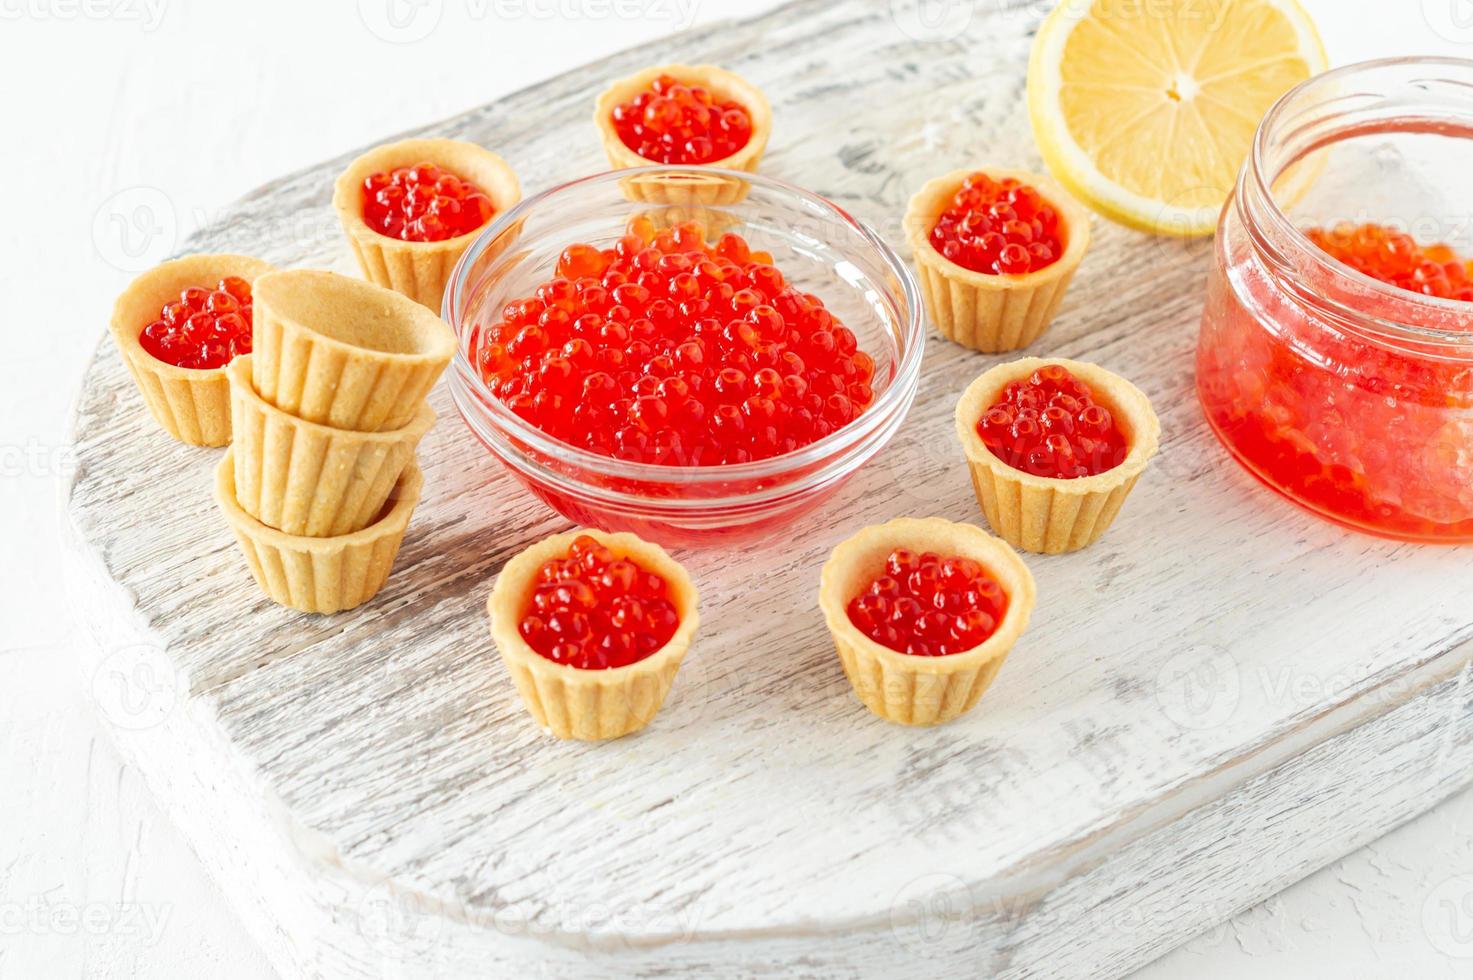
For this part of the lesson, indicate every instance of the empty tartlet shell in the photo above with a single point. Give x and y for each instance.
(191, 404)
(1044, 515)
(571, 702)
(418, 270)
(992, 313)
(723, 85)
(308, 479)
(914, 690)
(320, 575)
(344, 352)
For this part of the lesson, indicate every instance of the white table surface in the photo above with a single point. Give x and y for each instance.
(135, 120)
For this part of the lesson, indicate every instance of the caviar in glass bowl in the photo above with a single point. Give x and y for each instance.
(696, 375)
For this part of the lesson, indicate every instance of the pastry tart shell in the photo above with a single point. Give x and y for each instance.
(663, 189)
(418, 270)
(907, 689)
(589, 705)
(992, 313)
(1044, 515)
(320, 575)
(308, 479)
(191, 404)
(343, 352)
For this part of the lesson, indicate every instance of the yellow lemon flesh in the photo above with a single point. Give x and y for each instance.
(1145, 109)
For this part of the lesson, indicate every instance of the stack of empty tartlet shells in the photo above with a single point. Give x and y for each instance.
(327, 413)
(992, 313)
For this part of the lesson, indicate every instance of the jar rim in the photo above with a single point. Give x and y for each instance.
(837, 446)
(1285, 248)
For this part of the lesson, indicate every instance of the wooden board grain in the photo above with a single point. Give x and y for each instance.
(1216, 699)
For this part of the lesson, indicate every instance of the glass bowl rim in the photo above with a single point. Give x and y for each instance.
(911, 335)
(1256, 171)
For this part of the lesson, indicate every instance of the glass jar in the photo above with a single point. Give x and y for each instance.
(1352, 397)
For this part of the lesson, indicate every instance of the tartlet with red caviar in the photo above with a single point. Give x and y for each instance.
(178, 325)
(410, 209)
(995, 251)
(923, 612)
(692, 115)
(593, 626)
(1054, 448)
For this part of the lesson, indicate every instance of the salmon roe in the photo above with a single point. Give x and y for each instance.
(667, 349)
(1377, 435)
(594, 610)
(1395, 258)
(929, 606)
(674, 123)
(423, 203)
(204, 328)
(999, 228)
(1050, 425)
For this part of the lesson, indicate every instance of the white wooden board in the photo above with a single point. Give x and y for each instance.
(1220, 697)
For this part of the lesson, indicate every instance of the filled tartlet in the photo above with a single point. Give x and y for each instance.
(694, 115)
(666, 348)
(995, 251)
(410, 209)
(593, 627)
(923, 612)
(178, 326)
(1054, 448)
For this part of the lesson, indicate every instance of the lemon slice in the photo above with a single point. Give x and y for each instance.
(1145, 111)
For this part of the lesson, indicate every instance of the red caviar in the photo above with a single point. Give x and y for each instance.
(594, 610)
(424, 203)
(1374, 434)
(1395, 258)
(675, 123)
(929, 606)
(204, 328)
(999, 228)
(667, 349)
(1051, 426)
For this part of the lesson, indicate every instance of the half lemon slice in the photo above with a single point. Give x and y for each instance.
(1145, 111)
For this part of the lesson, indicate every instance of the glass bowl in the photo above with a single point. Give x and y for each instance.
(817, 246)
